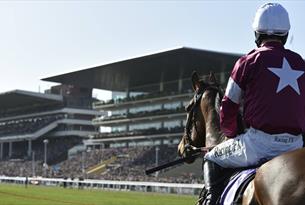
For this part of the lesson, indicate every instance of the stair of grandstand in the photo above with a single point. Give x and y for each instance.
(33, 135)
(99, 168)
(34, 127)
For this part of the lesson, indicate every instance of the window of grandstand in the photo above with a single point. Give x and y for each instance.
(115, 145)
(103, 129)
(176, 141)
(120, 112)
(145, 108)
(118, 95)
(172, 124)
(155, 94)
(184, 122)
(172, 105)
(169, 142)
(143, 126)
(136, 94)
(101, 94)
(185, 103)
(144, 143)
(118, 129)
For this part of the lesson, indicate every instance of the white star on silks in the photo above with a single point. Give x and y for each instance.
(288, 76)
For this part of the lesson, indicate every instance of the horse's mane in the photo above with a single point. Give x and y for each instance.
(216, 115)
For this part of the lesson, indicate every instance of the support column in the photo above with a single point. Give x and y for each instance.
(29, 148)
(181, 123)
(127, 93)
(162, 82)
(181, 71)
(161, 87)
(1, 150)
(180, 85)
(10, 149)
(157, 158)
(127, 109)
(162, 124)
(33, 164)
(127, 96)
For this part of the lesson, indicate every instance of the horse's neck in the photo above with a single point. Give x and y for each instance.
(213, 133)
(211, 110)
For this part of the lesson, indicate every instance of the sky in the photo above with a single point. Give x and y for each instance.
(41, 39)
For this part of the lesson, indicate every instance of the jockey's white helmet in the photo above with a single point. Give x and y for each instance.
(271, 19)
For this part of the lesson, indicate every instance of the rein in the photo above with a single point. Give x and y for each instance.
(190, 109)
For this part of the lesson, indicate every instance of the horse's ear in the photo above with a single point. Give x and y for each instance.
(195, 80)
(212, 78)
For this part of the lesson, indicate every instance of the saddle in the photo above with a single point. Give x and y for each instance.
(234, 187)
(233, 192)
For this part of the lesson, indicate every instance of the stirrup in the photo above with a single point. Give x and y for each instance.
(202, 196)
(208, 199)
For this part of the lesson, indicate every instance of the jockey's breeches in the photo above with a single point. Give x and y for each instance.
(253, 148)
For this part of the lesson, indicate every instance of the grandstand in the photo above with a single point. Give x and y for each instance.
(149, 94)
(146, 111)
(117, 139)
(44, 125)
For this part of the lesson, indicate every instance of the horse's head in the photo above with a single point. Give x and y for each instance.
(202, 125)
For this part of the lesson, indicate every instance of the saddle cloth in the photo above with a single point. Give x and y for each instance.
(230, 192)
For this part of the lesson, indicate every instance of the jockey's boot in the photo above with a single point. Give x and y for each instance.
(213, 181)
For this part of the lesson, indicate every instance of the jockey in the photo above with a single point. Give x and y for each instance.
(270, 81)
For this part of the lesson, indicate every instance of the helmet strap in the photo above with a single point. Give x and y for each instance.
(260, 37)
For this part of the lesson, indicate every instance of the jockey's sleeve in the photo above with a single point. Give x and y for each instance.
(231, 101)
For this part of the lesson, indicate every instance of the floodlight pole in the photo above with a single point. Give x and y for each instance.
(45, 155)
(83, 164)
(33, 164)
(157, 158)
(157, 155)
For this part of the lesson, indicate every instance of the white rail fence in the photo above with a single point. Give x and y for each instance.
(193, 189)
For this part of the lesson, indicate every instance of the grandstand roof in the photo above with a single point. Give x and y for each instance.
(21, 98)
(168, 65)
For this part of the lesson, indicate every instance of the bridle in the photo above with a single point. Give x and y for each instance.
(193, 106)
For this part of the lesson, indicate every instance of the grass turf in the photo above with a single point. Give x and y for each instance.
(41, 195)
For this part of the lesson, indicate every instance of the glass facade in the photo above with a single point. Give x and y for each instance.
(172, 105)
(147, 108)
(159, 116)
(172, 124)
(143, 126)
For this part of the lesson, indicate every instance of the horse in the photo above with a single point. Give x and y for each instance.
(280, 181)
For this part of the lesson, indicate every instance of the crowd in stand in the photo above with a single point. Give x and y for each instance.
(128, 164)
(21, 168)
